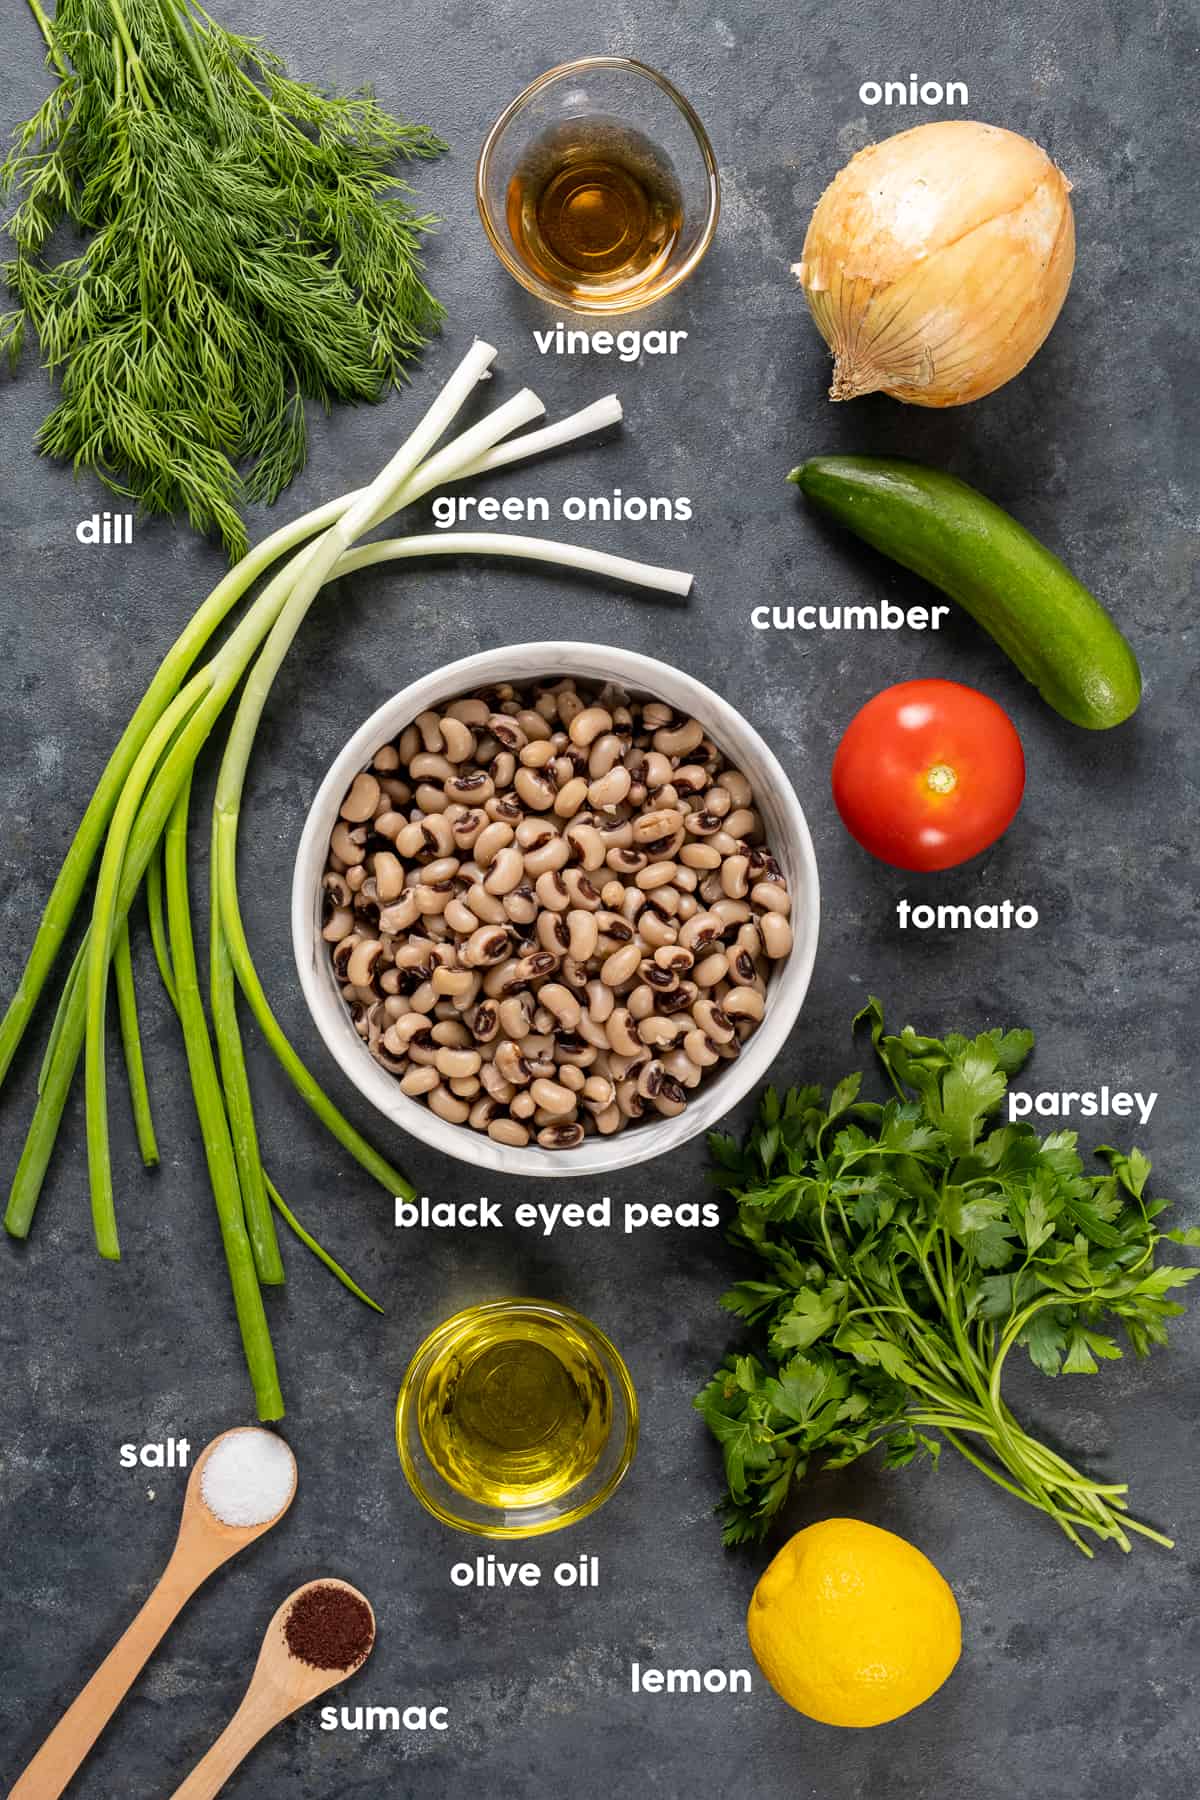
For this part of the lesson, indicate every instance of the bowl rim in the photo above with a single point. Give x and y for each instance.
(596, 1155)
(599, 306)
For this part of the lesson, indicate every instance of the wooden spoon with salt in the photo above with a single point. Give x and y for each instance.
(280, 1685)
(204, 1543)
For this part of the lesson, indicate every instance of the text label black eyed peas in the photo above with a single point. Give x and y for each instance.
(551, 911)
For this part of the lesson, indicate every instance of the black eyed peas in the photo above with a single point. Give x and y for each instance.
(551, 912)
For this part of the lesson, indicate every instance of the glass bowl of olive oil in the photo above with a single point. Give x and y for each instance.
(515, 1418)
(598, 186)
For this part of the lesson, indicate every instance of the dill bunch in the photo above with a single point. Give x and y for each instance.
(249, 247)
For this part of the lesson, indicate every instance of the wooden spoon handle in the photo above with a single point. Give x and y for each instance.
(250, 1722)
(68, 1744)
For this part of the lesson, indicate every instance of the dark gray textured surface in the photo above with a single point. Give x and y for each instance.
(1077, 1680)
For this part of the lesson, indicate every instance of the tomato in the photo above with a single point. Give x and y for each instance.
(928, 774)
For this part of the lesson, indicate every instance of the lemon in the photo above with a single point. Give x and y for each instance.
(852, 1625)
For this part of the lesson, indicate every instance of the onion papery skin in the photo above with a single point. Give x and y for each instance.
(937, 261)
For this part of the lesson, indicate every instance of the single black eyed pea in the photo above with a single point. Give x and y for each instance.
(339, 925)
(701, 930)
(670, 1099)
(772, 896)
(459, 917)
(621, 965)
(506, 873)
(494, 837)
(458, 739)
(475, 788)
(510, 1064)
(455, 1063)
(521, 905)
(482, 1113)
(678, 740)
(485, 1021)
(776, 935)
(680, 1067)
(604, 754)
(625, 862)
(741, 968)
(467, 1087)
(360, 965)
(432, 901)
(389, 877)
(452, 982)
(735, 877)
(659, 1031)
(531, 834)
(656, 978)
(561, 1002)
(650, 1079)
(744, 822)
(582, 934)
(610, 789)
(743, 1003)
(411, 841)
(699, 1048)
(621, 1031)
(389, 981)
(749, 939)
(561, 1137)
(573, 1077)
(429, 766)
(620, 1067)
(598, 1092)
(713, 1021)
(601, 1001)
(502, 768)
(537, 755)
(362, 800)
(535, 789)
(711, 890)
(731, 912)
(508, 1131)
(430, 799)
(616, 833)
(423, 999)
(487, 907)
(551, 1097)
(663, 822)
(555, 853)
(588, 725)
(610, 1120)
(387, 760)
(418, 1081)
(447, 1106)
(718, 801)
(654, 875)
(711, 969)
(422, 1052)
(641, 1003)
(507, 730)
(347, 843)
(522, 1106)
(409, 742)
(570, 797)
(586, 845)
(516, 1015)
(551, 892)
(487, 945)
(430, 729)
(532, 967)
(657, 933)
(441, 869)
(629, 1101)
(737, 787)
(552, 933)
(356, 874)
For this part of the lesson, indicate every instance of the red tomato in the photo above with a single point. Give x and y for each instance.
(928, 774)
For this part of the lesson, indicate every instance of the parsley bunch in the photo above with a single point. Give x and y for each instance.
(908, 1249)
(248, 247)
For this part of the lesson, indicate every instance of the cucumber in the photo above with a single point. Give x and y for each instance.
(1057, 633)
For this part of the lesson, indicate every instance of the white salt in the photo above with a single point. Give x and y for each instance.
(248, 1477)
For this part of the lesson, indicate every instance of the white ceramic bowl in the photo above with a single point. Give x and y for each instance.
(787, 834)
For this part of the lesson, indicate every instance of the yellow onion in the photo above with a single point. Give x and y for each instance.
(936, 262)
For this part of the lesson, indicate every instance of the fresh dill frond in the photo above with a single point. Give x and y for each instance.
(249, 246)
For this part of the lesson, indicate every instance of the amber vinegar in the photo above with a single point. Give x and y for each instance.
(594, 209)
(514, 1411)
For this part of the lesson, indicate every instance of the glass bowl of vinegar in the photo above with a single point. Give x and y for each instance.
(598, 187)
(515, 1418)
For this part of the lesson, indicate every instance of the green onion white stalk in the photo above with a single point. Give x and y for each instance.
(136, 824)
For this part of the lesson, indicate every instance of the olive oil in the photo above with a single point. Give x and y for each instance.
(515, 1410)
(595, 208)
